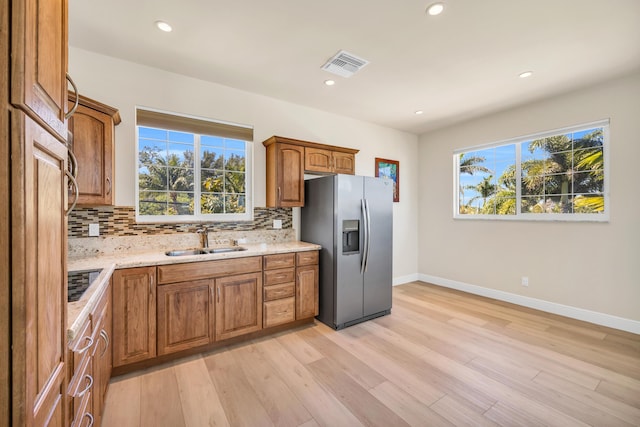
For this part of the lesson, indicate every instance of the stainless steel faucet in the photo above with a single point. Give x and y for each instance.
(204, 236)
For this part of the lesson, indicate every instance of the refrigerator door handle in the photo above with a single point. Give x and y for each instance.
(365, 244)
(368, 227)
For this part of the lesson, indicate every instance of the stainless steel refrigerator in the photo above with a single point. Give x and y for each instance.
(352, 218)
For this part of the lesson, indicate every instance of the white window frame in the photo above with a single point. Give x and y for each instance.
(195, 218)
(525, 216)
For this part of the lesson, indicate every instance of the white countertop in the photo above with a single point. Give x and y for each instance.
(78, 311)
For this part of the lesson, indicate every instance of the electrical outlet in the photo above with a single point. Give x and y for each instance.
(277, 224)
(94, 230)
(525, 281)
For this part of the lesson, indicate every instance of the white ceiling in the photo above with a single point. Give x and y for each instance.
(458, 65)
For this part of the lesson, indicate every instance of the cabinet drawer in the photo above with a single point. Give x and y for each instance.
(81, 385)
(307, 258)
(279, 261)
(83, 344)
(208, 269)
(274, 277)
(279, 291)
(279, 311)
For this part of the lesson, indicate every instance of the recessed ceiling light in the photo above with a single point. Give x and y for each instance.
(419, 112)
(435, 9)
(525, 74)
(163, 26)
(329, 82)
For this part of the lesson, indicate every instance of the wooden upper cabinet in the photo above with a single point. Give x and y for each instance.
(93, 136)
(287, 161)
(285, 175)
(134, 315)
(327, 161)
(39, 61)
(344, 163)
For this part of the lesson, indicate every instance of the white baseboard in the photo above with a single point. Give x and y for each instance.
(603, 319)
(405, 279)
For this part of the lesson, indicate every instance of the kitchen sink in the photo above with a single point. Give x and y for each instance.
(205, 251)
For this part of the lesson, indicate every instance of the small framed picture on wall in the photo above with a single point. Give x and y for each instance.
(390, 169)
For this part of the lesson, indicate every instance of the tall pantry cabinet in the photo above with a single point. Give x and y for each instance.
(33, 229)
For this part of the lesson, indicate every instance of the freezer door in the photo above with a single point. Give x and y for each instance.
(378, 194)
(349, 280)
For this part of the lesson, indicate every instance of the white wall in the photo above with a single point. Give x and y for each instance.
(125, 85)
(589, 266)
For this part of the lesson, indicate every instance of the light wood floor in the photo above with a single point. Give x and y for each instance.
(441, 358)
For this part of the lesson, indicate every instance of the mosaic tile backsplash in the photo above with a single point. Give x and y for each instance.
(121, 221)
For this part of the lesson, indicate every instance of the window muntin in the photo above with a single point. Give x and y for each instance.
(554, 175)
(170, 163)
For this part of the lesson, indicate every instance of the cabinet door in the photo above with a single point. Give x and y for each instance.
(238, 305)
(185, 315)
(306, 292)
(39, 61)
(344, 163)
(38, 273)
(290, 176)
(134, 315)
(93, 147)
(317, 160)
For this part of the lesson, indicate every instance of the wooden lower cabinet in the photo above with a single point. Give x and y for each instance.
(134, 315)
(185, 315)
(201, 303)
(238, 305)
(37, 274)
(306, 292)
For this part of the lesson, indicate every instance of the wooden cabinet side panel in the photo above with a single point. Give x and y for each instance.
(238, 305)
(134, 315)
(184, 316)
(306, 292)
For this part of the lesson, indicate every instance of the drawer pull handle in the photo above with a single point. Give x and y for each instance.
(86, 347)
(105, 337)
(88, 415)
(86, 389)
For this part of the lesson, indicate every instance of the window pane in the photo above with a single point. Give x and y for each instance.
(211, 203)
(589, 159)
(181, 155)
(211, 158)
(211, 181)
(234, 182)
(235, 161)
(152, 178)
(180, 179)
(152, 152)
(592, 203)
(181, 137)
(153, 203)
(151, 133)
(212, 141)
(235, 203)
(235, 144)
(588, 182)
(180, 203)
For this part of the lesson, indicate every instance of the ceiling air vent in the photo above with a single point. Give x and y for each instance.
(344, 64)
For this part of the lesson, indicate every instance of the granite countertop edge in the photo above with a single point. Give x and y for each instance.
(78, 311)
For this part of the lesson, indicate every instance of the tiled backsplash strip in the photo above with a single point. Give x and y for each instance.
(121, 221)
